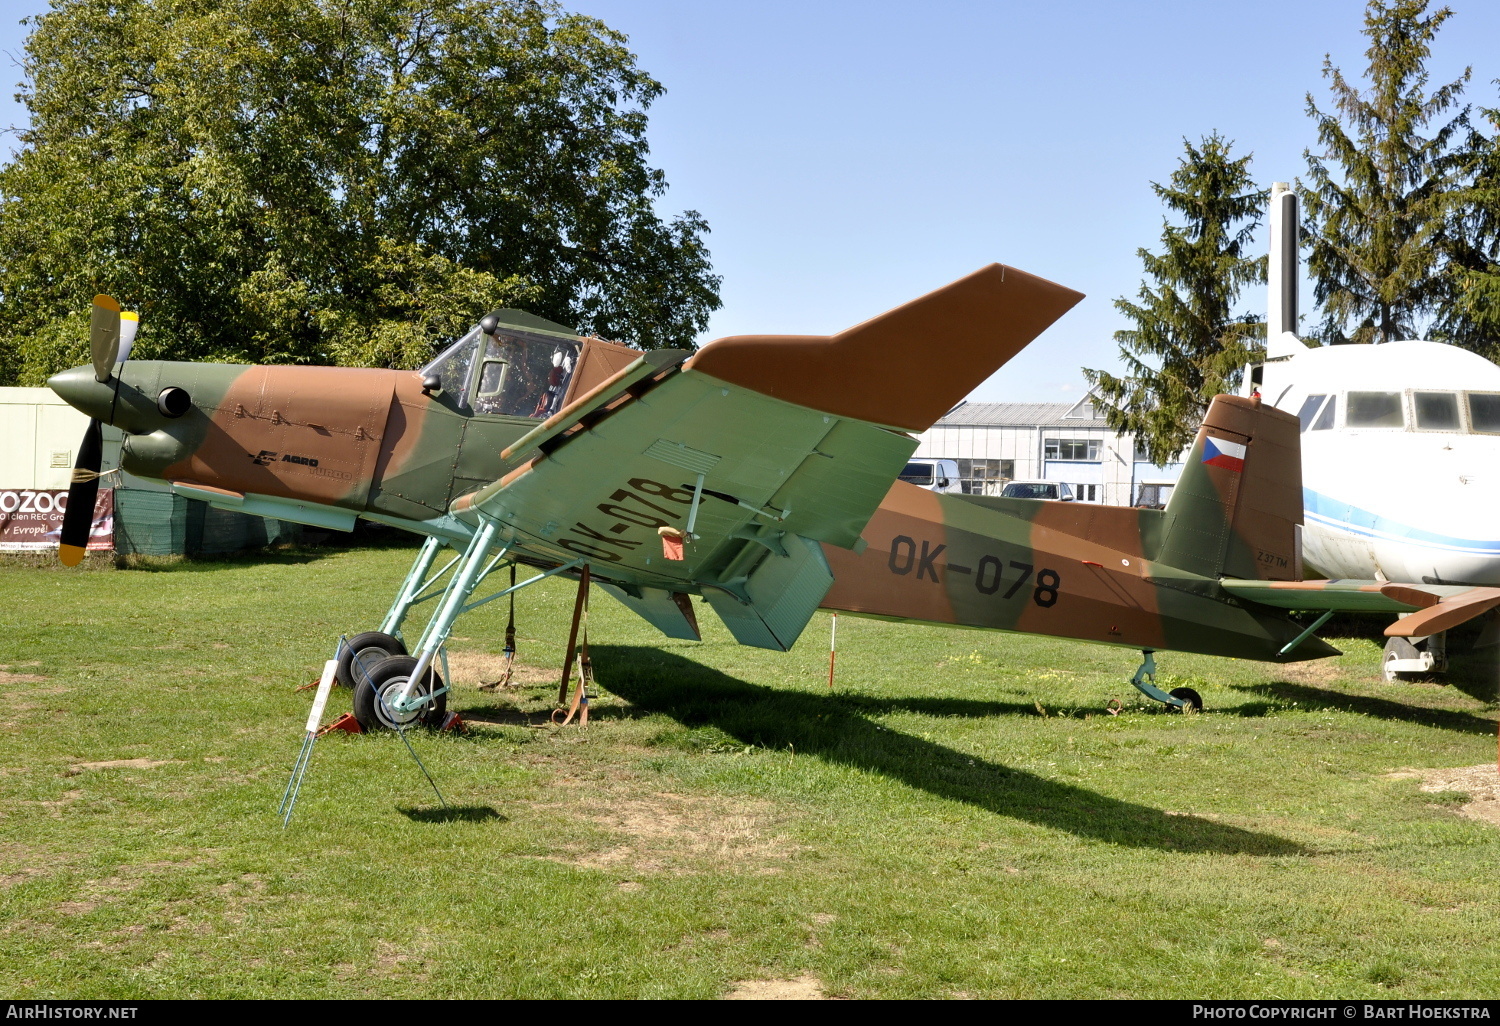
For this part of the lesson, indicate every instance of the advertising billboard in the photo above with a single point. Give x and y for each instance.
(31, 519)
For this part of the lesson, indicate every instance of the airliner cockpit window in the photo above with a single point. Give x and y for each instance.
(1374, 409)
(1436, 411)
(524, 375)
(1310, 410)
(1325, 419)
(1484, 412)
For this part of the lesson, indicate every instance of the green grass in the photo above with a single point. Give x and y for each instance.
(957, 816)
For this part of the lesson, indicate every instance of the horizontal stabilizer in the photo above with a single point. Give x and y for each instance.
(1433, 607)
(1345, 596)
(904, 368)
(1448, 613)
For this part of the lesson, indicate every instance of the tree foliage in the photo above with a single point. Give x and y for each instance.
(1471, 314)
(342, 181)
(1384, 207)
(1188, 344)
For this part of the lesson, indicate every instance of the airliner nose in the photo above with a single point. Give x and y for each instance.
(80, 390)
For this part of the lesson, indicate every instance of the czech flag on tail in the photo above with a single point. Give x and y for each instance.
(1220, 452)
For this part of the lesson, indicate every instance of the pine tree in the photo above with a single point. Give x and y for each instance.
(1183, 315)
(1471, 312)
(1381, 227)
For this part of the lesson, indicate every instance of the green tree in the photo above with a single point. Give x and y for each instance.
(1381, 210)
(1187, 344)
(343, 181)
(1471, 312)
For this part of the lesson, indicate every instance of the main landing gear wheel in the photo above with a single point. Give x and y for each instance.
(1191, 700)
(375, 697)
(364, 652)
(1396, 650)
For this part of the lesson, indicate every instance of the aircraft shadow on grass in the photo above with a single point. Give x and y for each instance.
(451, 814)
(968, 708)
(1380, 708)
(830, 728)
(498, 714)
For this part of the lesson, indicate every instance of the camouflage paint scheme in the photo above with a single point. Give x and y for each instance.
(1148, 579)
(799, 440)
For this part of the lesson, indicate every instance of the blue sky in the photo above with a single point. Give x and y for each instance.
(851, 156)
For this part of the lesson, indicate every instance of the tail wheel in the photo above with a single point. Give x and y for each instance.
(376, 695)
(1191, 700)
(363, 652)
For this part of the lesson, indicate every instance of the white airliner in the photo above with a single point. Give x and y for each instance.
(1400, 450)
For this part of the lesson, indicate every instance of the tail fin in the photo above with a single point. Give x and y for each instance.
(1237, 509)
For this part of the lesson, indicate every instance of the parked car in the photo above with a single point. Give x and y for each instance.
(933, 475)
(1037, 490)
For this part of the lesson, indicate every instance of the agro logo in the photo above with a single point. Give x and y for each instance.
(267, 457)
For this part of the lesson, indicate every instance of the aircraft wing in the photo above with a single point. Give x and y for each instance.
(797, 439)
(1432, 607)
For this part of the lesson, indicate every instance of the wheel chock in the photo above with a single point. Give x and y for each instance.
(454, 723)
(347, 723)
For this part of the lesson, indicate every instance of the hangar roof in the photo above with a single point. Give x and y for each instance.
(1022, 415)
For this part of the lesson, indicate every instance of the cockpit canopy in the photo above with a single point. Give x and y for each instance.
(515, 372)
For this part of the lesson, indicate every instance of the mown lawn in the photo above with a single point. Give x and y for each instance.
(957, 817)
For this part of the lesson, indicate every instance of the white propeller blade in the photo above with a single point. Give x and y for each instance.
(130, 322)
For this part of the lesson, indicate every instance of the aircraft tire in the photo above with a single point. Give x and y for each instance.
(385, 681)
(1192, 698)
(365, 650)
(1396, 648)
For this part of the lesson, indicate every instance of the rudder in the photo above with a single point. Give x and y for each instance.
(1237, 509)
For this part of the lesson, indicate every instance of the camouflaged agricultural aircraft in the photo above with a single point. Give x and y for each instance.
(759, 473)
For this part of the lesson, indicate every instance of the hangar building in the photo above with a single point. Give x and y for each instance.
(1070, 442)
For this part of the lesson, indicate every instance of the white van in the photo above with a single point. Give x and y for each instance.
(933, 475)
(1054, 490)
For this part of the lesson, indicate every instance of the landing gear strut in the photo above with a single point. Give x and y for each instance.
(1181, 699)
(400, 688)
(358, 656)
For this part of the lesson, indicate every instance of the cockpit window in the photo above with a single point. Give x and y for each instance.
(1325, 419)
(452, 367)
(520, 374)
(1310, 410)
(492, 378)
(524, 375)
(1436, 411)
(1484, 412)
(1374, 409)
